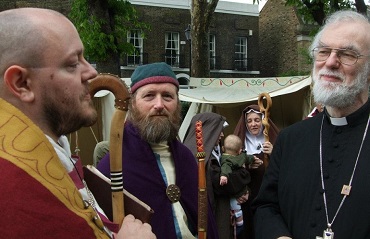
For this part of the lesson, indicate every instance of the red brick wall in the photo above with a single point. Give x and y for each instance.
(280, 52)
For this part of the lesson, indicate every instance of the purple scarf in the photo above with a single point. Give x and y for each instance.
(142, 178)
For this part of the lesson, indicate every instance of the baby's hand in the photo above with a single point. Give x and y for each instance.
(223, 180)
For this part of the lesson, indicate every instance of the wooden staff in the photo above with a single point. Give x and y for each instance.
(265, 121)
(120, 91)
(202, 189)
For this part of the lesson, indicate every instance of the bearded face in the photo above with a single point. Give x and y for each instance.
(155, 127)
(66, 114)
(339, 94)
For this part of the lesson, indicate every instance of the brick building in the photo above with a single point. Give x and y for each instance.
(284, 39)
(234, 46)
(233, 38)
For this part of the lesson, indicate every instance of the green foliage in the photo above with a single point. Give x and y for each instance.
(306, 8)
(306, 55)
(104, 35)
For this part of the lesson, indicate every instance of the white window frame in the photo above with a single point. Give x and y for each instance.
(172, 49)
(212, 51)
(135, 37)
(241, 53)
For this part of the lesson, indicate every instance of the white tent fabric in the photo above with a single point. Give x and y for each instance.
(227, 90)
(107, 100)
(221, 91)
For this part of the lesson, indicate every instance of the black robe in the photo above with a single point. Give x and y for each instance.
(290, 202)
(219, 196)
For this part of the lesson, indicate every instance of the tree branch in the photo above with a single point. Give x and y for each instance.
(361, 6)
(211, 7)
(317, 10)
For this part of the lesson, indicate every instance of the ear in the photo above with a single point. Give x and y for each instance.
(18, 83)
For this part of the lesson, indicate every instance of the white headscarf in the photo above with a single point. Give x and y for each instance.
(253, 143)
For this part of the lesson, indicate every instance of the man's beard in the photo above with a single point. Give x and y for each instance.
(336, 94)
(65, 119)
(156, 129)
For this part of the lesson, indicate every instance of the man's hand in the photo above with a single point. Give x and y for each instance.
(134, 229)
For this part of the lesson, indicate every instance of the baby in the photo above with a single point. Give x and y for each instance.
(233, 158)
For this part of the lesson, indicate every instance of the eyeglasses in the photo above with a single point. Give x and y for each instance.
(345, 56)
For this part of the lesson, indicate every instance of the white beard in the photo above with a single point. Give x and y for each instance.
(339, 95)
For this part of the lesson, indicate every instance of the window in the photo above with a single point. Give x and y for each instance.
(172, 49)
(212, 51)
(241, 53)
(135, 38)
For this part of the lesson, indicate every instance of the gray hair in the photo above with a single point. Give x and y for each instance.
(337, 17)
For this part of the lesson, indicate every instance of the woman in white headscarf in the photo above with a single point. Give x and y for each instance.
(250, 131)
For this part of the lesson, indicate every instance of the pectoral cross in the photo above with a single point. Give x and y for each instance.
(327, 234)
(346, 190)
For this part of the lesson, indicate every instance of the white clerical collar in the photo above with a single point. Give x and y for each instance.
(338, 121)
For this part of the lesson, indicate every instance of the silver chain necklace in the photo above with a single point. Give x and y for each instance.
(328, 233)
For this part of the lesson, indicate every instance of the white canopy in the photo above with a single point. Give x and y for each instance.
(237, 90)
(228, 92)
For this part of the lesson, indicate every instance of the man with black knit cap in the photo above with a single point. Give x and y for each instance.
(157, 168)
